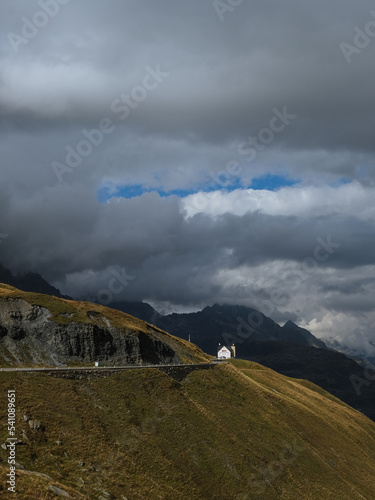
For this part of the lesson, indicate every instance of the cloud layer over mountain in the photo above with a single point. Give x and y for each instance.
(244, 128)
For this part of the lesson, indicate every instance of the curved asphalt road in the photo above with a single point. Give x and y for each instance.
(106, 368)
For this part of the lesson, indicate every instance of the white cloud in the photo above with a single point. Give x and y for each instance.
(306, 201)
(225, 80)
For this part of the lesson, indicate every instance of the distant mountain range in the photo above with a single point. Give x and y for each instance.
(289, 349)
(37, 329)
(234, 430)
(29, 282)
(225, 324)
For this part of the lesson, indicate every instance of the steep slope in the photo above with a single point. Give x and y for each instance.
(294, 333)
(290, 350)
(42, 329)
(331, 370)
(231, 433)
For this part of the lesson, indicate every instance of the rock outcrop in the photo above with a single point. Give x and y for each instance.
(29, 333)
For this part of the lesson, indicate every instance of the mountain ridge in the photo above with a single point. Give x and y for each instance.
(290, 350)
(29, 282)
(44, 329)
(237, 431)
(207, 325)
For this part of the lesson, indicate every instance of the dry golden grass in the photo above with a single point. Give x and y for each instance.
(225, 433)
(70, 311)
(235, 432)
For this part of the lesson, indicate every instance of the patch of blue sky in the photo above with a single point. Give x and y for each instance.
(272, 182)
(266, 182)
(104, 194)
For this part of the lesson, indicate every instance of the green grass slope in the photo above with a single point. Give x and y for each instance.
(64, 311)
(238, 431)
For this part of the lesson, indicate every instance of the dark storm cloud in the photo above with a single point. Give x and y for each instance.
(354, 304)
(151, 238)
(348, 288)
(353, 294)
(224, 76)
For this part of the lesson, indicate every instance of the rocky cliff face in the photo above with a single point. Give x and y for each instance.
(29, 335)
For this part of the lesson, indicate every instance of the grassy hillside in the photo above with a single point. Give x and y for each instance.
(239, 431)
(63, 312)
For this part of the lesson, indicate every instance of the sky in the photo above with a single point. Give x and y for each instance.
(192, 153)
